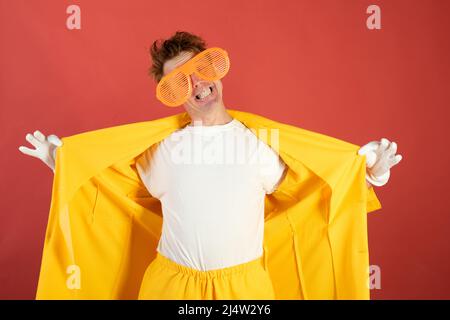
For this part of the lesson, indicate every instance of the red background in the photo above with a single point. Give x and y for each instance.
(312, 64)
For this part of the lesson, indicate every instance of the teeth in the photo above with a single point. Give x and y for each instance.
(206, 92)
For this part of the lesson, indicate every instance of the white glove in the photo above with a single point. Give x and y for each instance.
(45, 147)
(380, 158)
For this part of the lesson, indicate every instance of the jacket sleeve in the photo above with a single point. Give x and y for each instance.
(372, 200)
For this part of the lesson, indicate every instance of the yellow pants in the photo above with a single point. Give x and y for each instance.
(165, 279)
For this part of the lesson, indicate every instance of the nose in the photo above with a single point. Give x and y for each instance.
(196, 80)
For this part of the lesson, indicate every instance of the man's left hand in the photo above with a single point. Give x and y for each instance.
(380, 158)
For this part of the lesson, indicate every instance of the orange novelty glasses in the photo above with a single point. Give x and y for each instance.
(175, 88)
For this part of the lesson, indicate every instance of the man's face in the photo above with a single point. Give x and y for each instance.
(209, 103)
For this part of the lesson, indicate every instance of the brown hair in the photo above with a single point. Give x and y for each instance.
(180, 41)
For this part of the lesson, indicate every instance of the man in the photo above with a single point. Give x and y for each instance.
(211, 245)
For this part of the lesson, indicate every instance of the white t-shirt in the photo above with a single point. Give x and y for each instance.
(211, 181)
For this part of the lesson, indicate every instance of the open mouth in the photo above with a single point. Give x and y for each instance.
(204, 94)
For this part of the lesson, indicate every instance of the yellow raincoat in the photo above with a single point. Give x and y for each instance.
(104, 226)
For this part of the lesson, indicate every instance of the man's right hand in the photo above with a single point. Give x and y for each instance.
(45, 147)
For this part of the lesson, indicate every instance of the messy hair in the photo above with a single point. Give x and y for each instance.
(163, 50)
